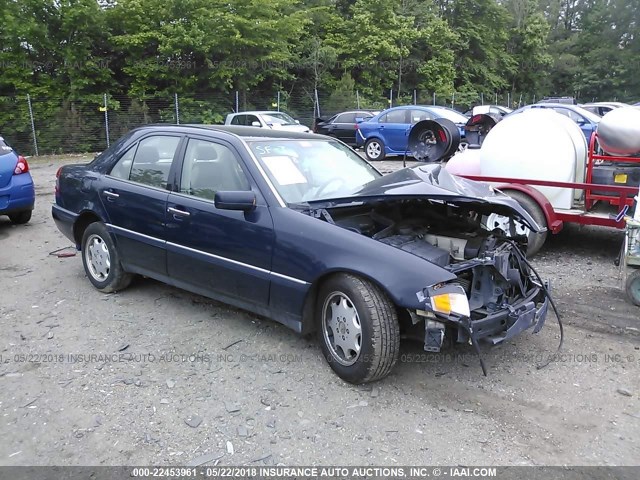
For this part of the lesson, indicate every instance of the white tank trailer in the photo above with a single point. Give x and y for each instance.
(619, 131)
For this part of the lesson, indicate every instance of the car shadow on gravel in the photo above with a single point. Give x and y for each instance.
(579, 240)
(6, 227)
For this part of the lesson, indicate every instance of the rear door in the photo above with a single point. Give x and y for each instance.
(134, 194)
(343, 127)
(226, 253)
(395, 128)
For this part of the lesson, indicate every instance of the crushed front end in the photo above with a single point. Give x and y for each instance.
(495, 297)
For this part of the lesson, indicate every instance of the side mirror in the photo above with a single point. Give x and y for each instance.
(298, 122)
(581, 122)
(255, 124)
(243, 200)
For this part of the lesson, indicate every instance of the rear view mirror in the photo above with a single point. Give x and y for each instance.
(255, 124)
(244, 200)
(298, 122)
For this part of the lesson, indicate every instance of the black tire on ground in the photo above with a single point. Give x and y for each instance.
(534, 240)
(374, 150)
(373, 315)
(633, 287)
(101, 260)
(20, 217)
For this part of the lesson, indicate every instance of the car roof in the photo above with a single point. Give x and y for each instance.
(247, 133)
(604, 104)
(553, 104)
(258, 111)
(576, 108)
(355, 111)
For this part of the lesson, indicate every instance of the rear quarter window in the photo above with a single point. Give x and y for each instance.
(4, 148)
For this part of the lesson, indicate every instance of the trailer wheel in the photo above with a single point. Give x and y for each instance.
(534, 240)
(633, 287)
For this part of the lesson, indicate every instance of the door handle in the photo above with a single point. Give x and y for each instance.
(111, 194)
(178, 212)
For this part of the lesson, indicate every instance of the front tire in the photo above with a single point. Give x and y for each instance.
(358, 329)
(101, 260)
(374, 150)
(20, 217)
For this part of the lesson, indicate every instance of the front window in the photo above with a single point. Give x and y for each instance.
(278, 118)
(211, 167)
(308, 170)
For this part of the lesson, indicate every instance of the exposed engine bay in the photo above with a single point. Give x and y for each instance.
(504, 297)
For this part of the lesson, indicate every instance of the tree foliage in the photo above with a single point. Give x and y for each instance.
(76, 50)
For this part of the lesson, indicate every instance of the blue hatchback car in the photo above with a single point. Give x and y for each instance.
(17, 194)
(388, 132)
(587, 121)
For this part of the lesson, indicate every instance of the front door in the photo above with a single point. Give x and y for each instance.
(225, 253)
(395, 125)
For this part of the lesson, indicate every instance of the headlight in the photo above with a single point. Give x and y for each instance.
(448, 303)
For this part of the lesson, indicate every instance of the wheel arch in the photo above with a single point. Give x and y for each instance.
(553, 223)
(311, 298)
(85, 219)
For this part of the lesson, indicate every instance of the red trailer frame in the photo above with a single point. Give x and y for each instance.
(585, 215)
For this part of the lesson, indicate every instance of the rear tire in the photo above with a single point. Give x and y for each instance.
(534, 240)
(101, 260)
(374, 150)
(358, 329)
(20, 217)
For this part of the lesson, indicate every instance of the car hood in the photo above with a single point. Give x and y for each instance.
(433, 182)
(291, 128)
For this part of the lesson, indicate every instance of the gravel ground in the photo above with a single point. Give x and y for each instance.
(155, 375)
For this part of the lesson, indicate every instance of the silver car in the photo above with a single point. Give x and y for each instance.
(266, 119)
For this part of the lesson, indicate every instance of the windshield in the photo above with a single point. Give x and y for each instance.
(307, 170)
(449, 114)
(278, 118)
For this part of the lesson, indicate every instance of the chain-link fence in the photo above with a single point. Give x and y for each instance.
(36, 125)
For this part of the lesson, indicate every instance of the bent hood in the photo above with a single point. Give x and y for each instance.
(433, 182)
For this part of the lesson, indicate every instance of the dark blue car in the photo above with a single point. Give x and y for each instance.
(17, 194)
(298, 228)
(388, 132)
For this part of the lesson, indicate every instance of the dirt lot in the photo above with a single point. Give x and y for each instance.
(155, 375)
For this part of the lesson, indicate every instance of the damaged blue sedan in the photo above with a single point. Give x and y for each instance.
(300, 229)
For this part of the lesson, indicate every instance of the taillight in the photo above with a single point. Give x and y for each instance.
(22, 166)
(57, 190)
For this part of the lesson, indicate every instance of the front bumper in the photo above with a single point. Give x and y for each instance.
(508, 322)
